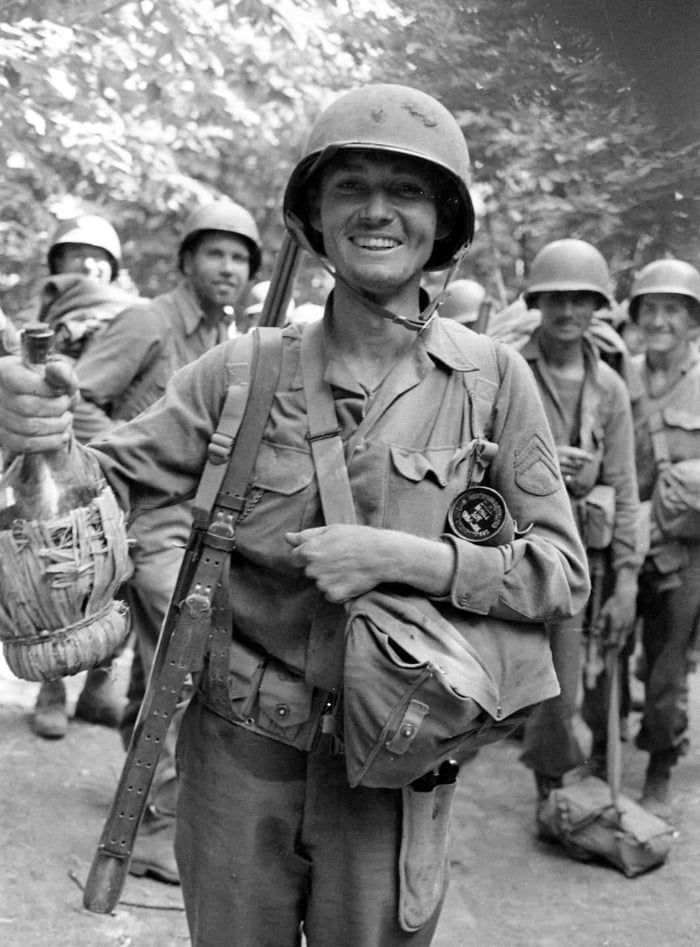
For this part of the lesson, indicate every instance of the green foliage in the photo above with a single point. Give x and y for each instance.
(139, 109)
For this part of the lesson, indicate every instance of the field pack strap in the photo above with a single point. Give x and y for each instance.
(185, 636)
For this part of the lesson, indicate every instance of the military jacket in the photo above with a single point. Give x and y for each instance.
(407, 449)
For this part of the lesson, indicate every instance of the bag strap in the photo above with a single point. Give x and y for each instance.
(324, 434)
(324, 652)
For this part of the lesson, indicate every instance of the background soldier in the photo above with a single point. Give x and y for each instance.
(270, 837)
(464, 300)
(588, 408)
(79, 299)
(665, 305)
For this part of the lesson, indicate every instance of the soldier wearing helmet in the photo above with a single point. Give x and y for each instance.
(464, 300)
(270, 838)
(86, 244)
(79, 299)
(665, 306)
(588, 407)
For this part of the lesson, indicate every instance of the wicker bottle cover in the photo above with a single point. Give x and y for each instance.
(63, 555)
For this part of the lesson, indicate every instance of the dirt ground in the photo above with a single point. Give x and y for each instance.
(508, 888)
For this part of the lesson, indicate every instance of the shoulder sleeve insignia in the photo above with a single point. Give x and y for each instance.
(536, 467)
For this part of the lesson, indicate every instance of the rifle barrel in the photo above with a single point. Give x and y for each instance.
(281, 283)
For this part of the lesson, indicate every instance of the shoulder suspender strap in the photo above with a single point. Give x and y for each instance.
(324, 433)
(659, 442)
(241, 422)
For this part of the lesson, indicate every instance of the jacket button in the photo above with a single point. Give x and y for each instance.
(463, 600)
(282, 710)
(407, 730)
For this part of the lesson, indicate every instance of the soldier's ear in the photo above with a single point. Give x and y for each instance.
(186, 262)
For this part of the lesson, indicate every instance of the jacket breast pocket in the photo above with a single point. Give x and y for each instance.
(421, 484)
(281, 494)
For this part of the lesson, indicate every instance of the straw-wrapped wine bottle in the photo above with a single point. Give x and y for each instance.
(63, 555)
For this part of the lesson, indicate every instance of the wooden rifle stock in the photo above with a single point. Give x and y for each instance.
(186, 633)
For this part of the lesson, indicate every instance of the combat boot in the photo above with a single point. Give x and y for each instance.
(656, 794)
(50, 719)
(98, 701)
(154, 850)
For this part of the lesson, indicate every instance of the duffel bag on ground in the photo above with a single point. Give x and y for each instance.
(591, 824)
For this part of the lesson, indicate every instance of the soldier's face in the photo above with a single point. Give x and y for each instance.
(566, 315)
(664, 320)
(378, 216)
(217, 269)
(83, 259)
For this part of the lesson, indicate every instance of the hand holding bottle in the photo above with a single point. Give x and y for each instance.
(35, 409)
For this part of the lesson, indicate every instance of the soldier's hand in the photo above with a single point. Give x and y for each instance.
(35, 412)
(617, 616)
(344, 561)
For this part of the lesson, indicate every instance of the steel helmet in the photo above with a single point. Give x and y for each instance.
(396, 119)
(464, 299)
(568, 266)
(667, 276)
(228, 217)
(92, 230)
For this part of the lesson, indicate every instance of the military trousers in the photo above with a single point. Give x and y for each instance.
(271, 841)
(670, 623)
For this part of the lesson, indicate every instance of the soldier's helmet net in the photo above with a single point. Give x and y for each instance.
(674, 277)
(90, 230)
(224, 216)
(569, 266)
(397, 120)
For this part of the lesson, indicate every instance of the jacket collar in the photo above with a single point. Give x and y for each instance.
(532, 352)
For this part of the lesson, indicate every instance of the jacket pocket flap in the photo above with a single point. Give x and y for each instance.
(284, 698)
(284, 470)
(414, 465)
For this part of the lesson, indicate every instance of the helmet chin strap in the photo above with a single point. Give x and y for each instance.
(416, 325)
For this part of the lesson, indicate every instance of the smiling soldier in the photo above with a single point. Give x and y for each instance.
(271, 838)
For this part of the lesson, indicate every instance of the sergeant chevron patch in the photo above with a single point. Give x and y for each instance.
(536, 467)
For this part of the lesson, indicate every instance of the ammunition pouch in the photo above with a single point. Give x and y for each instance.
(595, 516)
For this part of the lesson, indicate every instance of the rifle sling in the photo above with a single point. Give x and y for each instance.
(184, 639)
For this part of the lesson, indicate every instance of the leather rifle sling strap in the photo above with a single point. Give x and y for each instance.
(324, 656)
(185, 636)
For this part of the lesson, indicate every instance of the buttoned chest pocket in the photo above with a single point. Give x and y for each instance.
(281, 498)
(421, 485)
